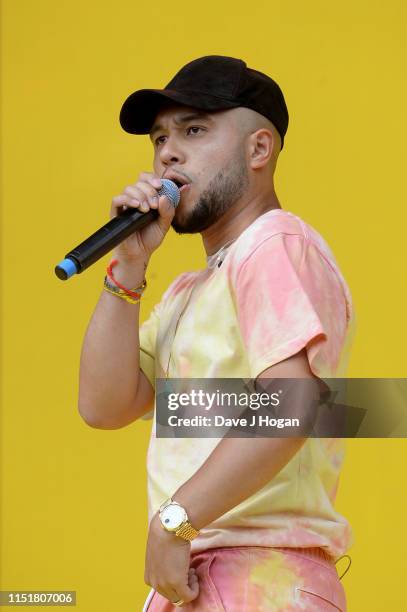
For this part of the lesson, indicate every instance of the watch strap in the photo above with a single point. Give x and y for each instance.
(186, 531)
(166, 503)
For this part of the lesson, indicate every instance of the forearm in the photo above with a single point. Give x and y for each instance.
(235, 470)
(109, 364)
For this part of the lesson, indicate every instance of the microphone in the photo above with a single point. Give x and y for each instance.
(112, 234)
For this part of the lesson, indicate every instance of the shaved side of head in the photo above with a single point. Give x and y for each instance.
(249, 121)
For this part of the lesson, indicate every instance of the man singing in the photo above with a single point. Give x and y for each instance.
(235, 524)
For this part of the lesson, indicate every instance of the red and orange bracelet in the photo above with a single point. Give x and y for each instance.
(130, 295)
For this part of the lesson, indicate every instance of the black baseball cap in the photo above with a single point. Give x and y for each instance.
(209, 83)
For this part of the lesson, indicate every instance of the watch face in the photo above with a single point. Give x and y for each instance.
(173, 516)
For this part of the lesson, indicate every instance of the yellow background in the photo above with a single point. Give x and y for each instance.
(73, 507)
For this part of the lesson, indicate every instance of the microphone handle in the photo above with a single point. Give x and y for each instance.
(117, 229)
(110, 235)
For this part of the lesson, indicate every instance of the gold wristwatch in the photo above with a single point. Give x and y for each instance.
(174, 518)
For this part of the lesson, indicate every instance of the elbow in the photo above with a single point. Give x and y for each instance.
(98, 420)
(91, 419)
(97, 423)
(88, 414)
(93, 414)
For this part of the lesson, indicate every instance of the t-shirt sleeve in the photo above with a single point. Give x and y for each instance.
(148, 336)
(289, 296)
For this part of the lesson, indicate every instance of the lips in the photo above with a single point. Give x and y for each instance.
(180, 181)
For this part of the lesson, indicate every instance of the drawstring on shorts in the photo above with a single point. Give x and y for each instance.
(350, 563)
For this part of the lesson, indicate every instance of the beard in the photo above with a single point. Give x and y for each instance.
(223, 191)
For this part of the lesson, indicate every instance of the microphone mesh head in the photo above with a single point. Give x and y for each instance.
(170, 190)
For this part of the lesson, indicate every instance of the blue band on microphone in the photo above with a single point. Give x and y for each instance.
(68, 266)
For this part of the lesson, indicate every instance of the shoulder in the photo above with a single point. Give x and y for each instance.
(279, 245)
(277, 229)
(180, 284)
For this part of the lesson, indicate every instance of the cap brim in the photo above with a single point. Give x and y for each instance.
(141, 107)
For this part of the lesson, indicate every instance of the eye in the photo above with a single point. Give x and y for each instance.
(159, 140)
(194, 129)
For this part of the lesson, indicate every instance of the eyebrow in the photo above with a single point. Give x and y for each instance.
(181, 120)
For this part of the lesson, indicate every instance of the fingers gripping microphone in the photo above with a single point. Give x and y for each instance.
(112, 234)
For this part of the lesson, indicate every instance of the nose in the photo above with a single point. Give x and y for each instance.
(171, 153)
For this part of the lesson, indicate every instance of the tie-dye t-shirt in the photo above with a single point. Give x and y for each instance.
(278, 290)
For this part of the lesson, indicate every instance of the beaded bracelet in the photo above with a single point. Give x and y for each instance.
(130, 295)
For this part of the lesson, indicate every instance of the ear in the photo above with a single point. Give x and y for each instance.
(261, 144)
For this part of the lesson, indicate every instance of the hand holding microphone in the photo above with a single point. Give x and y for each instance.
(144, 196)
(140, 218)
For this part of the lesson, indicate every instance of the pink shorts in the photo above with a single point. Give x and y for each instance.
(259, 579)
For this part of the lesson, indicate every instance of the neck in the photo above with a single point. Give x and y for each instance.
(237, 219)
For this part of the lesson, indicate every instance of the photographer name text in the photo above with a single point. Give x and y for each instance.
(221, 421)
